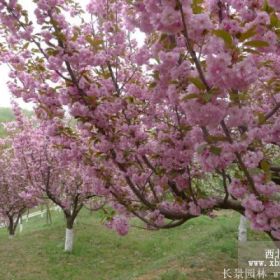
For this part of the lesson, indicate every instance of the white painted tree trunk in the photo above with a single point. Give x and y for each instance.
(20, 225)
(69, 239)
(11, 236)
(242, 229)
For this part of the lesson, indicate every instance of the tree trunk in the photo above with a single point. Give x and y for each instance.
(11, 236)
(48, 215)
(69, 240)
(42, 211)
(20, 225)
(242, 229)
(11, 228)
(69, 235)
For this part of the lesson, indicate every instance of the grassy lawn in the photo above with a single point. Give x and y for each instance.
(199, 249)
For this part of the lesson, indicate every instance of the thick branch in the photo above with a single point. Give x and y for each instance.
(272, 112)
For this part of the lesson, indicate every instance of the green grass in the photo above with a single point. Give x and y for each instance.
(199, 249)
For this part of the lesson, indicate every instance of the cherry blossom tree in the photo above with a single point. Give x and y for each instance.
(54, 168)
(183, 124)
(17, 195)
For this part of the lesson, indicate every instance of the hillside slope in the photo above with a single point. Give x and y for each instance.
(200, 249)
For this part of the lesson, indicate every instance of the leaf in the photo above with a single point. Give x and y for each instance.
(196, 6)
(59, 36)
(261, 118)
(234, 97)
(238, 175)
(256, 44)
(168, 41)
(265, 165)
(185, 128)
(243, 96)
(215, 150)
(155, 75)
(92, 100)
(248, 34)
(75, 37)
(94, 42)
(152, 85)
(266, 7)
(26, 45)
(52, 51)
(216, 138)
(225, 36)
(197, 82)
(190, 96)
(267, 177)
(277, 32)
(130, 99)
(206, 97)
(274, 20)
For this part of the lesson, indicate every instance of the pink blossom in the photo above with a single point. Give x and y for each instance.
(252, 203)
(237, 189)
(120, 225)
(275, 4)
(194, 209)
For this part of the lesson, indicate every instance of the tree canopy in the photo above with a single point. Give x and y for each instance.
(179, 126)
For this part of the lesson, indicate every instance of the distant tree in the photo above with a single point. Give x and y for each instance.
(53, 166)
(17, 195)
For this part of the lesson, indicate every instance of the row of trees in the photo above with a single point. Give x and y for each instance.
(36, 167)
(173, 129)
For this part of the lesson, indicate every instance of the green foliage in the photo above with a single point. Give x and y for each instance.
(197, 82)
(226, 36)
(197, 6)
(248, 34)
(257, 44)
